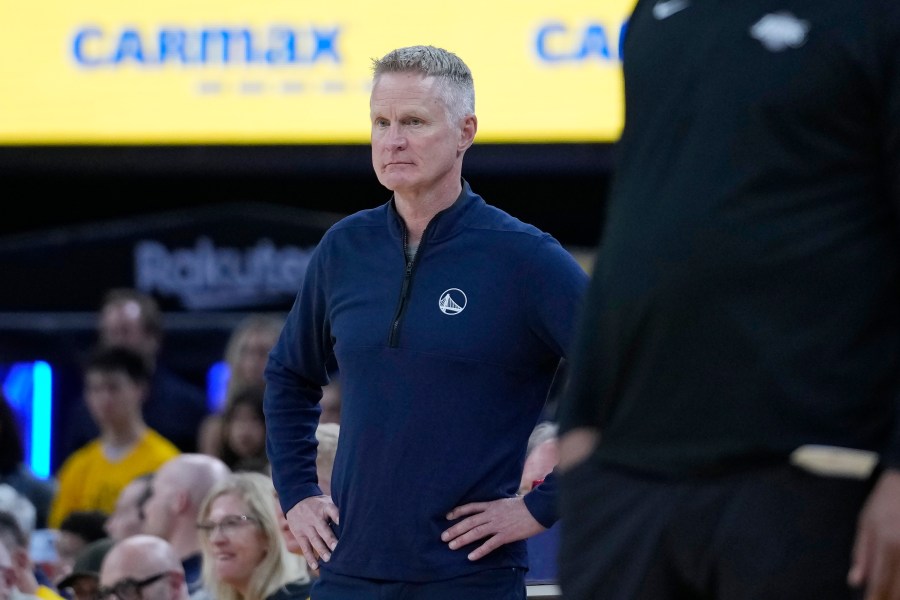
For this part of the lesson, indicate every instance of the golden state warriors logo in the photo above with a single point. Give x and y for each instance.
(452, 301)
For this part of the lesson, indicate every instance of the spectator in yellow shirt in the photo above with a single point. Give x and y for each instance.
(116, 381)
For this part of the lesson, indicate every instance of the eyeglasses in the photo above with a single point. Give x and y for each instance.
(128, 589)
(228, 525)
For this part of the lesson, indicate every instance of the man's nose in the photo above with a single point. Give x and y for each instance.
(396, 137)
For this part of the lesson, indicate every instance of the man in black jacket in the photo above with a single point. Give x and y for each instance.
(732, 426)
(174, 407)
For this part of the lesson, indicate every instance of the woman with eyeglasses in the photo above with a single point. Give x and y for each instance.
(142, 567)
(244, 554)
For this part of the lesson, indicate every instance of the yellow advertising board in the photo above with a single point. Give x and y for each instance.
(296, 71)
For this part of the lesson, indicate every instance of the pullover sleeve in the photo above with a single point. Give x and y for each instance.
(294, 375)
(579, 401)
(558, 295)
(541, 501)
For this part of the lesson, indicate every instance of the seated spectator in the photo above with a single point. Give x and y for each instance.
(8, 576)
(290, 542)
(327, 435)
(243, 431)
(42, 550)
(116, 382)
(83, 580)
(246, 353)
(14, 471)
(541, 455)
(16, 541)
(331, 401)
(174, 407)
(77, 530)
(244, 553)
(171, 511)
(21, 508)
(127, 517)
(142, 566)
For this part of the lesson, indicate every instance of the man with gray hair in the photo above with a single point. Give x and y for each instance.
(447, 319)
(19, 506)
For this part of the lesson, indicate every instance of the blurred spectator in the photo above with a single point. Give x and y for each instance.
(290, 542)
(327, 435)
(243, 431)
(14, 471)
(248, 348)
(7, 574)
(171, 511)
(174, 407)
(142, 566)
(116, 380)
(83, 581)
(541, 455)
(77, 530)
(246, 353)
(127, 517)
(16, 541)
(42, 551)
(19, 506)
(22, 510)
(244, 553)
(331, 401)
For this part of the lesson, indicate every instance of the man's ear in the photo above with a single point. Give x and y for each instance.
(467, 132)
(182, 501)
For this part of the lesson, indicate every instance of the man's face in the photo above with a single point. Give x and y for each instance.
(85, 588)
(112, 397)
(159, 509)
(245, 432)
(414, 145)
(134, 577)
(122, 325)
(127, 517)
(68, 545)
(252, 355)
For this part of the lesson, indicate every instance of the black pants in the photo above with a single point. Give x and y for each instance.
(491, 584)
(774, 533)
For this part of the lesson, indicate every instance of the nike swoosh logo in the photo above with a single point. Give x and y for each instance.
(664, 9)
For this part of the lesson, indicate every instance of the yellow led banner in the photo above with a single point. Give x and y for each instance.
(295, 71)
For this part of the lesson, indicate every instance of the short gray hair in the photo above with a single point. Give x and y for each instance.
(456, 86)
(542, 432)
(20, 507)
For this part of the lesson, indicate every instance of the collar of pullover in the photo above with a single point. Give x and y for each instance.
(445, 223)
